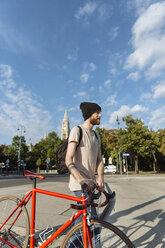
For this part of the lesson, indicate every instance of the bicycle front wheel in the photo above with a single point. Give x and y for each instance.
(16, 229)
(102, 234)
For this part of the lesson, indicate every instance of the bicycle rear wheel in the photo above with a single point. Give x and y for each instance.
(16, 230)
(103, 234)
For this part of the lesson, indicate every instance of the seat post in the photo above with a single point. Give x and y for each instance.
(34, 182)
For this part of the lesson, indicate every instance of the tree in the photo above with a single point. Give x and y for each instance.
(161, 149)
(161, 134)
(2, 153)
(52, 143)
(20, 142)
(136, 139)
(109, 143)
(11, 154)
(153, 148)
(38, 164)
(44, 149)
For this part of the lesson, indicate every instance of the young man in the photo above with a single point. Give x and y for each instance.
(82, 161)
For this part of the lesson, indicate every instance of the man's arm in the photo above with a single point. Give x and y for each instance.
(69, 160)
(100, 171)
(74, 171)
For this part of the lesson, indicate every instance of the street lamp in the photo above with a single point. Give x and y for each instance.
(120, 164)
(21, 128)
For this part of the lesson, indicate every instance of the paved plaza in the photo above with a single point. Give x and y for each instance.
(139, 210)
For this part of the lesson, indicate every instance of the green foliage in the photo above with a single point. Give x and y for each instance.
(161, 137)
(138, 140)
(44, 149)
(39, 162)
(3, 153)
(109, 143)
(146, 147)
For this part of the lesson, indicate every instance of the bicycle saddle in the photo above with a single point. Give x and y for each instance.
(32, 175)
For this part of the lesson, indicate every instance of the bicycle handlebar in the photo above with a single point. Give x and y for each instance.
(91, 197)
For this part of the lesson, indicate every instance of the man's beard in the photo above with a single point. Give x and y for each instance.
(95, 121)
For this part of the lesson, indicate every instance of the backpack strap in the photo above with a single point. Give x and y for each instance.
(95, 134)
(80, 137)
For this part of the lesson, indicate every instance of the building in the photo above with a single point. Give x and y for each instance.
(65, 127)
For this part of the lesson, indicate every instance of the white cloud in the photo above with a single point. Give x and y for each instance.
(84, 77)
(113, 33)
(126, 110)
(148, 41)
(134, 76)
(80, 94)
(107, 82)
(92, 66)
(70, 57)
(13, 40)
(88, 66)
(86, 11)
(145, 96)
(114, 63)
(157, 118)
(61, 108)
(5, 71)
(104, 12)
(139, 5)
(74, 55)
(20, 106)
(111, 100)
(138, 108)
(159, 90)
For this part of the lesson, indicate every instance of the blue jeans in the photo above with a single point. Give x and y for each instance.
(92, 210)
(95, 232)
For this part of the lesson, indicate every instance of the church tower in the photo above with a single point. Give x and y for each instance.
(65, 127)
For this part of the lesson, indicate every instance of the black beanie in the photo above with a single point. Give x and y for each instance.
(88, 108)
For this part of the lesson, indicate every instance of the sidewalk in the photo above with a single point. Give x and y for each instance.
(3, 176)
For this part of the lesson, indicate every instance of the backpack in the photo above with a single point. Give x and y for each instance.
(61, 154)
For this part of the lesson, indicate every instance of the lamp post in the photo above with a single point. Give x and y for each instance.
(21, 128)
(120, 164)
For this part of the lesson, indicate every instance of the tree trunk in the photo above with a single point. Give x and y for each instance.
(136, 164)
(155, 162)
(117, 166)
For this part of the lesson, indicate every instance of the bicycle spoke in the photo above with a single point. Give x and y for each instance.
(102, 234)
(13, 236)
(14, 225)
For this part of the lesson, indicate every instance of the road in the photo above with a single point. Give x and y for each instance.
(5, 183)
(139, 209)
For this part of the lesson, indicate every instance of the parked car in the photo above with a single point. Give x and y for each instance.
(110, 169)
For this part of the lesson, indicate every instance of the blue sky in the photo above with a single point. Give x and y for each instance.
(55, 54)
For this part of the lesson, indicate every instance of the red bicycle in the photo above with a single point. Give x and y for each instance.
(17, 231)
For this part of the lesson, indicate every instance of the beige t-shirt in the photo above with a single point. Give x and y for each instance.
(86, 155)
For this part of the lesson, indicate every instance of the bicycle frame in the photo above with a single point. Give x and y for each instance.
(32, 195)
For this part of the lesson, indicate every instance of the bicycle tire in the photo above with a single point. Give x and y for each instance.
(103, 235)
(17, 233)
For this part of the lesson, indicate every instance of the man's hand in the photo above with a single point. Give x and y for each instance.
(89, 182)
(100, 184)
